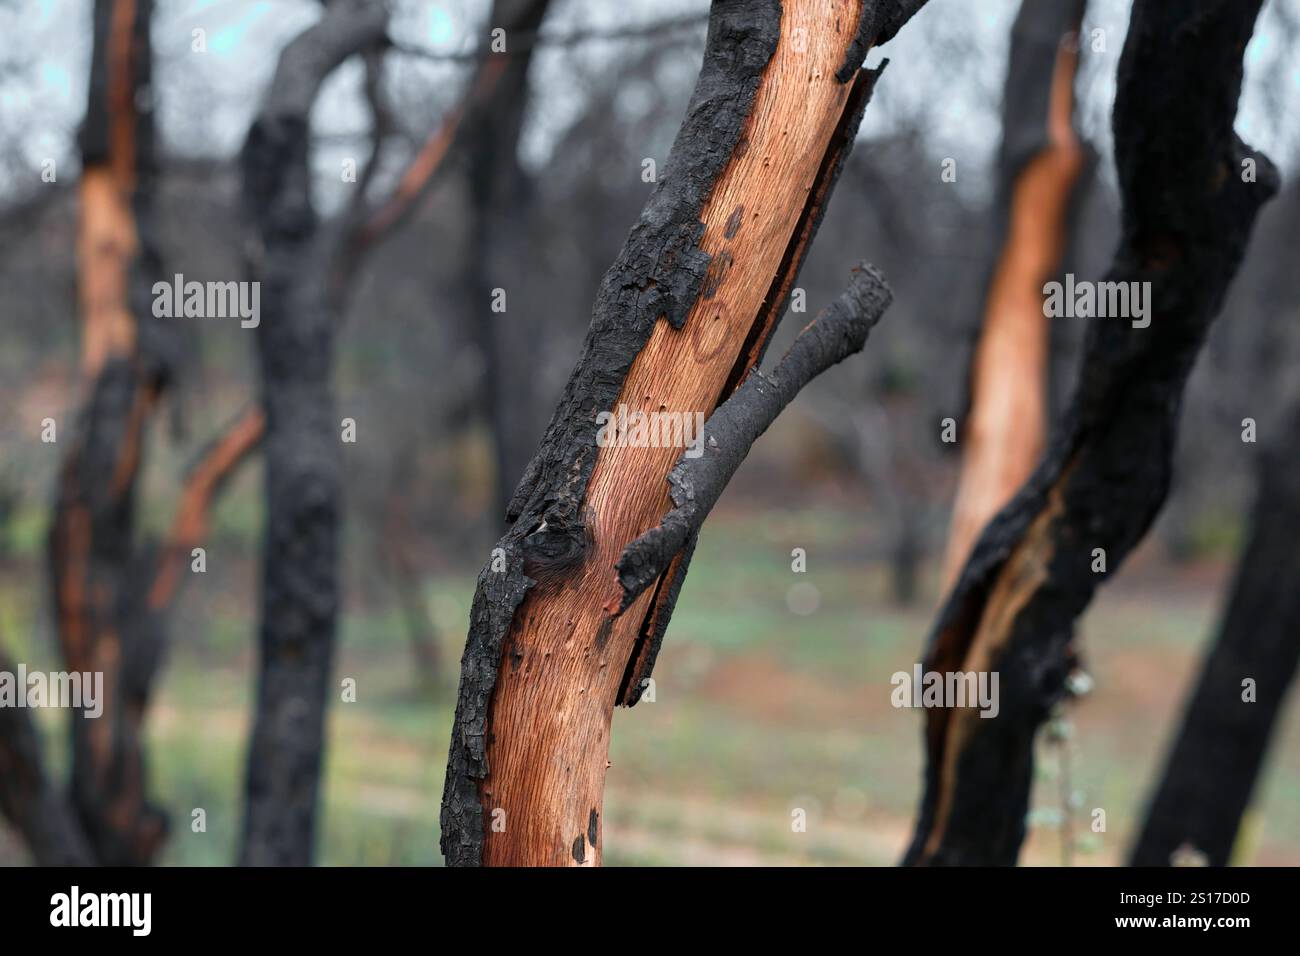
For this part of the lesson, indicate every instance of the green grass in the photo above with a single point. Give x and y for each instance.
(758, 711)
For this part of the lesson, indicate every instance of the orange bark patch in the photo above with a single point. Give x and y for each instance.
(105, 246)
(1005, 433)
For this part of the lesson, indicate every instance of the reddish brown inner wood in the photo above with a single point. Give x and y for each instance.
(1007, 426)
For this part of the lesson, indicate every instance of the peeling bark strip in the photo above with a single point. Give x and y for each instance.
(1215, 762)
(1041, 161)
(1187, 217)
(722, 234)
(295, 343)
(127, 356)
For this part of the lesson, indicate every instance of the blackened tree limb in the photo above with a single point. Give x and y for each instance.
(662, 555)
(299, 600)
(1223, 739)
(697, 482)
(1188, 210)
(663, 272)
(877, 24)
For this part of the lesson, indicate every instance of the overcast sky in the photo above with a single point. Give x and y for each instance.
(945, 76)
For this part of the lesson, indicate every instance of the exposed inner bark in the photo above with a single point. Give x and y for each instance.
(1007, 424)
(1107, 471)
(548, 654)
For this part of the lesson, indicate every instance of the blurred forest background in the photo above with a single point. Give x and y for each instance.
(773, 688)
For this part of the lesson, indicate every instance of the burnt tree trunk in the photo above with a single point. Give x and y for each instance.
(1040, 162)
(97, 572)
(1188, 209)
(501, 200)
(1221, 745)
(299, 599)
(564, 624)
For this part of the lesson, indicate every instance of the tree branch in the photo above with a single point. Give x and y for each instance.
(697, 482)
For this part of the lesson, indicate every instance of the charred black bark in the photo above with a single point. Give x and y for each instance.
(658, 274)
(1216, 759)
(1187, 216)
(299, 598)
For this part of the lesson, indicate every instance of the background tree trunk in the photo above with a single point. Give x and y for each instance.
(300, 590)
(99, 577)
(501, 203)
(1107, 472)
(1216, 759)
(1040, 164)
